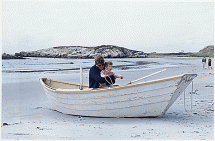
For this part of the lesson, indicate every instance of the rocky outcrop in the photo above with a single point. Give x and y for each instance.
(8, 56)
(108, 51)
(207, 50)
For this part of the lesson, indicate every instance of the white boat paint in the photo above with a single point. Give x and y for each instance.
(146, 99)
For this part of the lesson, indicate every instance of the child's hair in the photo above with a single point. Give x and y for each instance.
(108, 63)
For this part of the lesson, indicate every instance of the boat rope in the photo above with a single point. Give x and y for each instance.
(191, 99)
(111, 83)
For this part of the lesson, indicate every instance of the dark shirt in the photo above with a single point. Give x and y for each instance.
(95, 77)
(204, 60)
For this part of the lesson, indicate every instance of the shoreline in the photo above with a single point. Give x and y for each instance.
(151, 55)
(122, 67)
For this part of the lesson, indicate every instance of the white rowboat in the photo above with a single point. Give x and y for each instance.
(145, 99)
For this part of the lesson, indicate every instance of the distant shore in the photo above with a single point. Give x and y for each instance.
(8, 56)
(108, 51)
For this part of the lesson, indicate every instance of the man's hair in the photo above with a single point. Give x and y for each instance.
(108, 63)
(99, 59)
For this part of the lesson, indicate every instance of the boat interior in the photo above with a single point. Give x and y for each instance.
(55, 84)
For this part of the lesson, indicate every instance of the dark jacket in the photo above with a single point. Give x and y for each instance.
(95, 77)
(204, 60)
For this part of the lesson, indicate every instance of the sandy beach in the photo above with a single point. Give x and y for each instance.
(28, 115)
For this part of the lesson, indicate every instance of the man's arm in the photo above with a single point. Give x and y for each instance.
(97, 77)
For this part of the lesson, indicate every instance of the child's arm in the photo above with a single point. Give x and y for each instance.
(119, 76)
(103, 74)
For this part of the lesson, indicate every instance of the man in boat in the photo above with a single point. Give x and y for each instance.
(95, 79)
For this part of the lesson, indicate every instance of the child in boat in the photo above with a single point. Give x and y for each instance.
(106, 73)
(108, 70)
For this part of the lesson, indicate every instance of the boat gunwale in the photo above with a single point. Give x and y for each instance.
(91, 90)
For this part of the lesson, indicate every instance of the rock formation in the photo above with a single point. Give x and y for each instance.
(108, 51)
(8, 56)
(207, 50)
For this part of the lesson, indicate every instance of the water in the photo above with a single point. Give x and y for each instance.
(31, 69)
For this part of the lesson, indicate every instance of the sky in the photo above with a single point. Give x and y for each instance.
(151, 26)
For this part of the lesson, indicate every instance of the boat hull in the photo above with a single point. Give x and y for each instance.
(147, 99)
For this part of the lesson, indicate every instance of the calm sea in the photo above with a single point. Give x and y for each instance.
(31, 69)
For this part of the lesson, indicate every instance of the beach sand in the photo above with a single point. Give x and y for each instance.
(28, 115)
